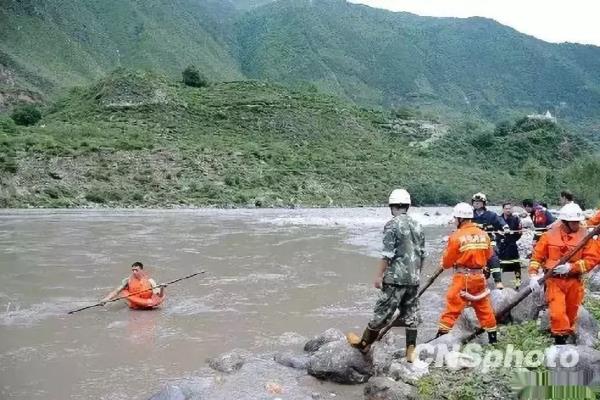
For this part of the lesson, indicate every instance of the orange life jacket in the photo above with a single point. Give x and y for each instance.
(559, 243)
(137, 285)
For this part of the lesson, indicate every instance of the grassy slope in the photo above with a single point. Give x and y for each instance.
(64, 43)
(368, 56)
(141, 139)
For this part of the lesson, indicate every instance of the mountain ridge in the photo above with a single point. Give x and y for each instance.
(372, 57)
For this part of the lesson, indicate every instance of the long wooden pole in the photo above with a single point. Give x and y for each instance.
(136, 293)
(389, 326)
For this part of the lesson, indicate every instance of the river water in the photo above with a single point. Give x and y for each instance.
(274, 278)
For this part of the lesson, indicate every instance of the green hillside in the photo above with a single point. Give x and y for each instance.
(377, 57)
(368, 56)
(139, 139)
(55, 43)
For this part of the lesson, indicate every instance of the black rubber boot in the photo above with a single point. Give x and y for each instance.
(411, 345)
(368, 338)
(560, 339)
(492, 337)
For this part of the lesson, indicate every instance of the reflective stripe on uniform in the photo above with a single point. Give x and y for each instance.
(474, 246)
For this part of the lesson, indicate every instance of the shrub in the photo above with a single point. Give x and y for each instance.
(405, 113)
(193, 77)
(26, 115)
(7, 125)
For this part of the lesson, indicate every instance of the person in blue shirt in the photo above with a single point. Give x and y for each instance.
(490, 222)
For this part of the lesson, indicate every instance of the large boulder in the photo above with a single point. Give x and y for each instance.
(382, 388)
(440, 346)
(292, 360)
(330, 335)
(582, 359)
(587, 329)
(257, 379)
(407, 372)
(229, 362)
(593, 283)
(391, 347)
(529, 308)
(339, 362)
(501, 299)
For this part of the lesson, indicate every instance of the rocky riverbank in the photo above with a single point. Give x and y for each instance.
(385, 374)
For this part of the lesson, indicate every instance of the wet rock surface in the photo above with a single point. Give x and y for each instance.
(383, 388)
(330, 335)
(256, 379)
(292, 360)
(229, 362)
(339, 362)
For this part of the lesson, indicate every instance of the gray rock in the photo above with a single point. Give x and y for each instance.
(229, 362)
(501, 299)
(292, 360)
(339, 362)
(544, 323)
(587, 329)
(381, 388)
(528, 309)
(330, 335)
(587, 363)
(408, 372)
(170, 392)
(594, 281)
(257, 379)
(384, 352)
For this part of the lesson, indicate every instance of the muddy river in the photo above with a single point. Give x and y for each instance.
(274, 278)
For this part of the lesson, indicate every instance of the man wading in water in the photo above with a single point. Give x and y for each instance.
(148, 293)
(398, 277)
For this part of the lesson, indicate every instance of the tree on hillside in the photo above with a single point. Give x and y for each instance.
(193, 77)
(26, 115)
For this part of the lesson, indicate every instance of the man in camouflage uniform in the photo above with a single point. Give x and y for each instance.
(398, 277)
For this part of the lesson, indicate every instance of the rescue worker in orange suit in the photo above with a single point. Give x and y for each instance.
(138, 281)
(564, 288)
(468, 252)
(594, 220)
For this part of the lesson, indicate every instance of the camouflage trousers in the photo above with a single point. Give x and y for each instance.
(396, 297)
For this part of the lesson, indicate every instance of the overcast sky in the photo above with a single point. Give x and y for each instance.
(550, 20)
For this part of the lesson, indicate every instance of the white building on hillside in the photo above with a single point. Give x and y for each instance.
(545, 117)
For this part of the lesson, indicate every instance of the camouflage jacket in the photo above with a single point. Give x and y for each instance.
(404, 248)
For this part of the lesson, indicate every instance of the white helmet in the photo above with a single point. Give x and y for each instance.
(479, 197)
(463, 210)
(571, 212)
(399, 196)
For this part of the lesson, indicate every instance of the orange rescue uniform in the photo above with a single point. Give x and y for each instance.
(144, 298)
(564, 294)
(594, 220)
(468, 250)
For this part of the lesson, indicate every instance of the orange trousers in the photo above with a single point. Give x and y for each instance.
(564, 297)
(455, 304)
